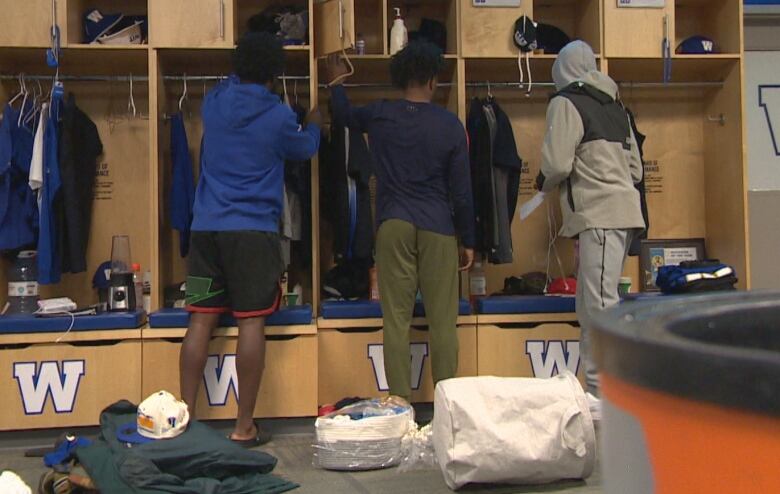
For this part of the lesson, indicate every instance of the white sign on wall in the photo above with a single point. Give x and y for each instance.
(655, 4)
(762, 105)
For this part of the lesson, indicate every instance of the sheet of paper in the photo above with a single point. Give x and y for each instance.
(641, 3)
(530, 206)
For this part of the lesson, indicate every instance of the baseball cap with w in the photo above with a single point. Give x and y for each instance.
(160, 416)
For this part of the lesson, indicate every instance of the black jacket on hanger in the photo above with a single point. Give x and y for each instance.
(297, 177)
(353, 229)
(636, 243)
(79, 148)
(495, 178)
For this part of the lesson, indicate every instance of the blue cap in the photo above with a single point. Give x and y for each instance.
(697, 45)
(128, 433)
(96, 24)
(101, 278)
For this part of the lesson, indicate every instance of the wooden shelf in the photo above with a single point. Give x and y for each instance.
(99, 47)
(297, 47)
(685, 68)
(376, 68)
(76, 61)
(165, 333)
(216, 61)
(323, 323)
(71, 337)
(525, 318)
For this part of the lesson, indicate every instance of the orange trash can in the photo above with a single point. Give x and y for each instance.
(691, 395)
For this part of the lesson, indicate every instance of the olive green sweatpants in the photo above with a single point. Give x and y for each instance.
(408, 258)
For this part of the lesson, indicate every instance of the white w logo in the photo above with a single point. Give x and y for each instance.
(546, 363)
(418, 353)
(36, 384)
(219, 380)
(707, 45)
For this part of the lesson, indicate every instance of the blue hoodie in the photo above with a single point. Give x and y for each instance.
(248, 134)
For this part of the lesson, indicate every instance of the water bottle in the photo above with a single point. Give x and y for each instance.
(477, 282)
(360, 45)
(23, 284)
(147, 292)
(138, 284)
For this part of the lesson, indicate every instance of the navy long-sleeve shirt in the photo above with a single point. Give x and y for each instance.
(422, 163)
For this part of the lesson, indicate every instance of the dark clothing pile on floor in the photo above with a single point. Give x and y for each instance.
(198, 461)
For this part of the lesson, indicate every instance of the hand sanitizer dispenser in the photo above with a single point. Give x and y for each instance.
(398, 35)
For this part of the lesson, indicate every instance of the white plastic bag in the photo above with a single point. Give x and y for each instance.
(513, 430)
(417, 451)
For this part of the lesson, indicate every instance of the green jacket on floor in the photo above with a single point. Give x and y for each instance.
(199, 461)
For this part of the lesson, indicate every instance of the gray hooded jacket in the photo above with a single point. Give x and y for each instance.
(588, 151)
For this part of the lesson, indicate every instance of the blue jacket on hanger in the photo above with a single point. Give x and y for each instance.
(183, 186)
(49, 266)
(18, 208)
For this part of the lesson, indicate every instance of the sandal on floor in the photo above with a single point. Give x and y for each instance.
(262, 437)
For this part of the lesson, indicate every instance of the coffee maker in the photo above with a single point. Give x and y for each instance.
(121, 289)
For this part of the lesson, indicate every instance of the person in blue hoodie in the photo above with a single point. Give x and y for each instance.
(235, 260)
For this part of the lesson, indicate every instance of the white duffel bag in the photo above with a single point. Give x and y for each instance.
(513, 430)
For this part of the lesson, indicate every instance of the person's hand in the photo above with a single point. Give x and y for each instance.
(466, 259)
(314, 117)
(336, 67)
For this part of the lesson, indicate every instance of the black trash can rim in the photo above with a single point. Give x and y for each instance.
(721, 348)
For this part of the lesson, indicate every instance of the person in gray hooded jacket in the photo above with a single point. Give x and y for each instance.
(591, 154)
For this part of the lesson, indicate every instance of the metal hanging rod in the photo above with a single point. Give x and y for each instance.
(207, 78)
(81, 78)
(518, 85)
(127, 78)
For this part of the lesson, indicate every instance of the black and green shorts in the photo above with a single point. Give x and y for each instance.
(236, 271)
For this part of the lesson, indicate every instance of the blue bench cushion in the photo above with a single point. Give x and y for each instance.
(369, 309)
(533, 304)
(20, 324)
(179, 318)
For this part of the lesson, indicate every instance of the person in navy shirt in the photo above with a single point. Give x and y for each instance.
(235, 260)
(423, 205)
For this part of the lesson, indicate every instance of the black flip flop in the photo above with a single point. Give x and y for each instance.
(262, 437)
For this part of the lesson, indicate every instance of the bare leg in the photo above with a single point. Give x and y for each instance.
(192, 358)
(250, 363)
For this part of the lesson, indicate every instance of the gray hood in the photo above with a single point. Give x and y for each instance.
(576, 62)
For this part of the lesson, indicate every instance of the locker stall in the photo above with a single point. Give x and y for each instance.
(61, 372)
(694, 157)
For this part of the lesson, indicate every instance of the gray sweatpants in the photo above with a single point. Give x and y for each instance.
(602, 255)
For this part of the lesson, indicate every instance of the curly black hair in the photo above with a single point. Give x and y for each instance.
(259, 58)
(418, 63)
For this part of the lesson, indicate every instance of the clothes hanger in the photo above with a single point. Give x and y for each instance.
(37, 103)
(183, 93)
(24, 102)
(284, 89)
(489, 92)
(350, 71)
(21, 90)
(131, 110)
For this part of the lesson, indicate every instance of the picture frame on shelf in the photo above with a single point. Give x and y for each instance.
(655, 253)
